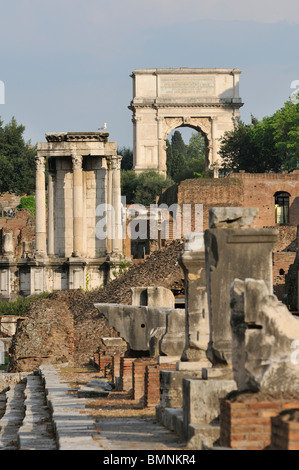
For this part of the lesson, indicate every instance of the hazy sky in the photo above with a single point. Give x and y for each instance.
(66, 64)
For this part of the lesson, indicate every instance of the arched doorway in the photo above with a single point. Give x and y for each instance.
(206, 100)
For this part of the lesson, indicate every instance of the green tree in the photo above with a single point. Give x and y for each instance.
(127, 158)
(176, 156)
(186, 161)
(129, 181)
(196, 156)
(17, 160)
(144, 187)
(271, 144)
(285, 123)
(149, 185)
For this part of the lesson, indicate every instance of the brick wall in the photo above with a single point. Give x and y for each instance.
(9, 201)
(285, 431)
(152, 385)
(115, 367)
(245, 423)
(22, 226)
(153, 382)
(210, 193)
(281, 263)
(103, 362)
(139, 379)
(239, 189)
(126, 373)
(259, 190)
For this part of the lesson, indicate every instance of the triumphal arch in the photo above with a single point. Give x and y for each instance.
(206, 100)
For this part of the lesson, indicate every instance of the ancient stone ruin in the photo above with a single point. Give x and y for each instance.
(230, 347)
(265, 339)
(68, 253)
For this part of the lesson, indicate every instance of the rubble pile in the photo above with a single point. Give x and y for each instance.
(67, 327)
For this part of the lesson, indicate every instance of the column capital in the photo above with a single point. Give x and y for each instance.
(40, 163)
(114, 162)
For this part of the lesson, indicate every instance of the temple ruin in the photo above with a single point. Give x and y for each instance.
(82, 191)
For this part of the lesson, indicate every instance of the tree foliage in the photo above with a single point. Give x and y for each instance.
(143, 188)
(17, 160)
(127, 158)
(271, 144)
(185, 161)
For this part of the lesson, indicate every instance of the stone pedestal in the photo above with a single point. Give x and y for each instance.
(200, 414)
(192, 261)
(233, 253)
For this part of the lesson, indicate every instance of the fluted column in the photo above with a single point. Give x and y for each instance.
(77, 206)
(40, 208)
(109, 215)
(51, 178)
(117, 242)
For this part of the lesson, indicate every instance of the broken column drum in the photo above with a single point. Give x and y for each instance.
(265, 339)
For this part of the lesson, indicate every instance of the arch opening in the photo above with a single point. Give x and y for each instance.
(187, 153)
(282, 202)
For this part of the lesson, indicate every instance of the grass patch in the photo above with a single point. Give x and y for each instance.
(27, 202)
(18, 306)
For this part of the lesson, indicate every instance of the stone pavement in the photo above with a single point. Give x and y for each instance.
(43, 412)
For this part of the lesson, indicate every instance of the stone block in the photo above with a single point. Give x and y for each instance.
(134, 324)
(152, 296)
(171, 385)
(233, 253)
(201, 403)
(233, 217)
(265, 339)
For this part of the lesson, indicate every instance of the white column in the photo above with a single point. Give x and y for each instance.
(109, 214)
(51, 178)
(40, 208)
(77, 206)
(117, 242)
